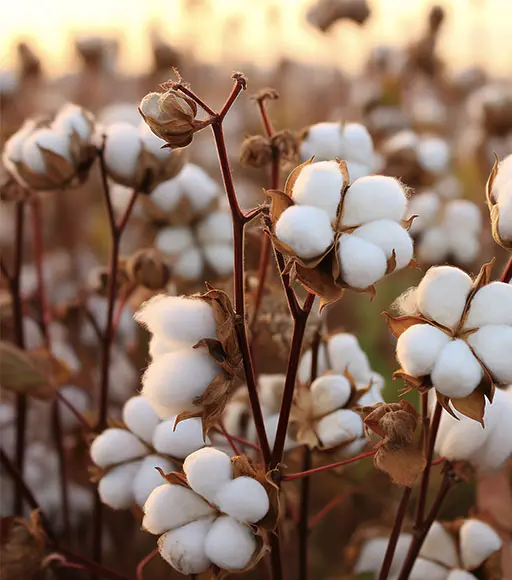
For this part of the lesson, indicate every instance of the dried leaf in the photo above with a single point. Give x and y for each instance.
(399, 324)
(444, 401)
(242, 466)
(391, 263)
(174, 478)
(292, 178)
(471, 406)
(417, 383)
(279, 202)
(403, 465)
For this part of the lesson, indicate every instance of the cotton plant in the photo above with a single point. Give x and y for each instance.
(499, 200)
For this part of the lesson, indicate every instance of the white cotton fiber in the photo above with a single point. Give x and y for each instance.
(388, 235)
(493, 345)
(357, 144)
(270, 391)
(434, 154)
(492, 304)
(184, 548)
(71, 118)
(189, 265)
(463, 215)
(44, 138)
(154, 144)
(13, 148)
(478, 541)
(371, 555)
(345, 354)
(171, 506)
(174, 240)
(304, 370)
(505, 221)
(243, 498)
(339, 427)
(307, 230)
(116, 445)
(503, 177)
(419, 347)
(140, 418)
(460, 575)
(362, 263)
(122, 150)
(357, 170)
(426, 207)
(115, 487)
(178, 318)
(329, 393)
(324, 141)
(439, 546)
(464, 247)
(159, 346)
(271, 422)
(216, 227)
(371, 198)
(442, 294)
(456, 372)
(148, 478)
(433, 246)
(207, 470)
(220, 258)
(179, 442)
(166, 194)
(424, 569)
(198, 186)
(230, 544)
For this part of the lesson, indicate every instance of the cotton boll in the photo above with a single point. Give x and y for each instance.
(307, 230)
(375, 197)
(154, 144)
(220, 258)
(465, 247)
(304, 370)
(434, 154)
(140, 418)
(419, 347)
(357, 144)
(229, 544)
(498, 443)
(122, 150)
(216, 226)
(493, 345)
(179, 442)
(189, 265)
(492, 304)
(460, 575)
(116, 445)
(270, 390)
(439, 546)
(463, 215)
(339, 427)
(423, 569)
(71, 118)
(442, 294)
(148, 478)
(434, 246)
(478, 541)
(362, 263)
(167, 194)
(324, 141)
(426, 207)
(184, 548)
(207, 470)
(174, 240)
(44, 138)
(503, 177)
(243, 498)
(198, 186)
(357, 170)
(170, 506)
(329, 393)
(388, 236)
(159, 346)
(371, 556)
(456, 372)
(115, 487)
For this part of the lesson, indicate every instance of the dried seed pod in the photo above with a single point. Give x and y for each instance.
(256, 151)
(147, 268)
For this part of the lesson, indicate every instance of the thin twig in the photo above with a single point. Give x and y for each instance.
(301, 474)
(328, 508)
(143, 563)
(229, 439)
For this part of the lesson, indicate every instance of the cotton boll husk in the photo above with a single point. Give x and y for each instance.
(174, 240)
(307, 230)
(115, 487)
(478, 541)
(216, 227)
(388, 236)
(116, 445)
(439, 546)
(442, 294)
(220, 258)
(198, 186)
(178, 318)
(434, 154)
(154, 144)
(304, 370)
(465, 247)
(80, 401)
(44, 138)
(324, 141)
(375, 197)
(419, 347)
(460, 575)
(148, 478)
(229, 544)
(339, 427)
(492, 304)
(71, 118)
(170, 506)
(179, 442)
(493, 345)
(243, 498)
(329, 393)
(434, 246)
(456, 372)
(140, 418)
(357, 144)
(189, 265)
(424, 569)
(184, 548)
(345, 354)
(426, 207)
(463, 215)
(166, 194)
(362, 263)
(176, 379)
(207, 470)
(122, 150)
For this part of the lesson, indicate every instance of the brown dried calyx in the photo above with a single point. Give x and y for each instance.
(258, 151)
(147, 268)
(325, 13)
(99, 279)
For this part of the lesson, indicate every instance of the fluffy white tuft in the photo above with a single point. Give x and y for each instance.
(339, 427)
(324, 141)
(478, 541)
(140, 417)
(362, 263)
(190, 264)
(220, 258)
(243, 498)
(44, 138)
(464, 216)
(345, 354)
(492, 304)
(460, 575)
(216, 227)
(116, 445)
(357, 144)
(207, 470)
(329, 393)
(456, 372)
(440, 546)
(230, 544)
(423, 569)
(148, 478)
(464, 246)
(174, 240)
(433, 247)
(115, 488)
(167, 194)
(426, 206)
(493, 345)
(198, 186)
(434, 154)
(304, 370)
(71, 118)
(419, 347)
(122, 150)
(179, 442)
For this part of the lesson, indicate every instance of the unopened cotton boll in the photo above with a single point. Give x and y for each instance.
(442, 294)
(439, 546)
(115, 488)
(324, 141)
(181, 441)
(345, 354)
(493, 345)
(329, 393)
(339, 427)
(207, 470)
(229, 544)
(423, 569)
(456, 372)
(184, 548)
(148, 478)
(122, 149)
(171, 506)
(116, 445)
(44, 138)
(478, 541)
(140, 417)
(220, 258)
(307, 230)
(419, 347)
(362, 263)
(243, 498)
(463, 215)
(492, 304)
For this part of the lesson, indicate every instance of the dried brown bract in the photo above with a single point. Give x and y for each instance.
(325, 13)
(256, 151)
(147, 268)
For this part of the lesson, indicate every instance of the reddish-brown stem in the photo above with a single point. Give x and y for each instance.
(240, 440)
(143, 563)
(229, 439)
(301, 474)
(121, 303)
(83, 421)
(238, 87)
(97, 569)
(328, 508)
(507, 272)
(439, 461)
(197, 99)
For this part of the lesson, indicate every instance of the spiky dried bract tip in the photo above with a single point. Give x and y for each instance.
(499, 200)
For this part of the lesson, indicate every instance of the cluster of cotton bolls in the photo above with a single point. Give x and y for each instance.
(501, 203)
(458, 333)
(445, 555)
(209, 521)
(362, 224)
(348, 141)
(46, 156)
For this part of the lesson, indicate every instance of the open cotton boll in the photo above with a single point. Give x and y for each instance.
(419, 347)
(463, 215)
(44, 138)
(460, 575)
(357, 144)
(434, 246)
(176, 379)
(439, 546)
(319, 185)
(13, 148)
(271, 422)
(426, 207)
(505, 221)
(323, 140)
(179, 442)
(345, 354)
(153, 143)
(372, 554)
(122, 149)
(434, 154)
(189, 265)
(116, 445)
(329, 393)
(198, 186)
(493, 345)
(243, 498)
(442, 294)
(388, 235)
(115, 488)
(357, 170)
(140, 417)
(478, 541)
(171, 506)
(492, 304)
(229, 544)
(159, 346)
(423, 569)
(465, 247)
(456, 372)
(166, 194)
(503, 177)
(71, 118)
(362, 263)
(307, 230)
(148, 478)
(461, 439)
(304, 370)
(207, 470)
(184, 548)
(339, 427)
(220, 258)
(375, 197)
(174, 240)
(216, 226)
(178, 318)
